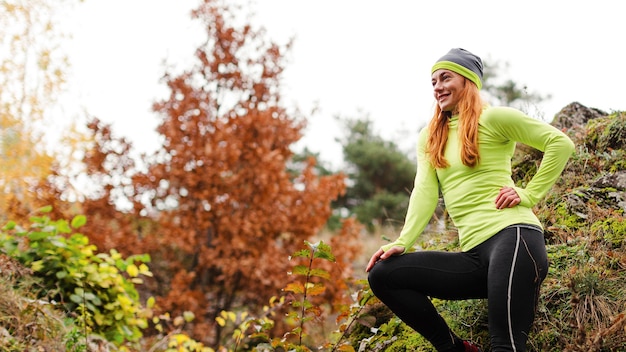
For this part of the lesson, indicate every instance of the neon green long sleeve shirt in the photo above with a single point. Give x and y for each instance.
(469, 193)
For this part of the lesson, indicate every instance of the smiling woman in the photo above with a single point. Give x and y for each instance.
(465, 153)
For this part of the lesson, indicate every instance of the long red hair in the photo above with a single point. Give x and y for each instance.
(469, 108)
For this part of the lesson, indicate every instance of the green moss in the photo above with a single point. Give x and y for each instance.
(612, 231)
(595, 128)
(409, 341)
(566, 218)
(614, 135)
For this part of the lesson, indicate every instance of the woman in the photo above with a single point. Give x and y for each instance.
(465, 152)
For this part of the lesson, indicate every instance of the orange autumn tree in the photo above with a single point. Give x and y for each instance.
(226, 208)
(220, 206)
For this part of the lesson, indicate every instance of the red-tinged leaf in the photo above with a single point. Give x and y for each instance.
(345, 348)
(295, 287)
(316, 290)
(342, 315)
(315, 310)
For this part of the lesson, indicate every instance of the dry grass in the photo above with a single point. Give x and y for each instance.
(26, 323)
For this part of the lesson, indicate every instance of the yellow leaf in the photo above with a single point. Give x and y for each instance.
(189, 316)
(132, 270)
(37, 265)
(144, 270)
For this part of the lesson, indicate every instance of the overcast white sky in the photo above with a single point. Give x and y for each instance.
(352, 55)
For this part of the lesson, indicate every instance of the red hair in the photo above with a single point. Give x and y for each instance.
(469, 108)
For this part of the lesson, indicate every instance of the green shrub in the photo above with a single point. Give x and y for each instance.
(97, 288)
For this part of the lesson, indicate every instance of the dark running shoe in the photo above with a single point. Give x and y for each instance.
(471, 347)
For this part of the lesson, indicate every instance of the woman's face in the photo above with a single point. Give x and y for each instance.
(447, 88)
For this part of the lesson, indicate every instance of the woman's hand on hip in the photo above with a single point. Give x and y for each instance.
(382, 255)
(507, 198)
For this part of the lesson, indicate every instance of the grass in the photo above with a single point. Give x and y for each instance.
(27, 323)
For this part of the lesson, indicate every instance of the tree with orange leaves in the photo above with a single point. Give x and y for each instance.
(229, 212)
(219, 206)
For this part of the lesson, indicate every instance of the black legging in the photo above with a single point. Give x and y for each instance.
(507, 269)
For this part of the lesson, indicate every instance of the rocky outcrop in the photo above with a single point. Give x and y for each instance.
(615, 180)
(576, 115)
(601, 140)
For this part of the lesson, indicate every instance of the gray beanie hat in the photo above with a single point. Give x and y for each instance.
(462, 62)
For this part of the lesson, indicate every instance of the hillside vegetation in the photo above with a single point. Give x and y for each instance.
(582, 307)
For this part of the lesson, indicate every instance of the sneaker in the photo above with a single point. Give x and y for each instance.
(471, 347)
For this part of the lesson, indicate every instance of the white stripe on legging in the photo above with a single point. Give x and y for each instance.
(508, 303)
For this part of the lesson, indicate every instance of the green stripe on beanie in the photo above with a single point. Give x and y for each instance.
(464, 63)
(463, 71)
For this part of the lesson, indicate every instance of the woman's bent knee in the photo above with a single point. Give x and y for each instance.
(376, 276)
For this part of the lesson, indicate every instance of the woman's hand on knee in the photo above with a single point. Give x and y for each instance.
(382, 255)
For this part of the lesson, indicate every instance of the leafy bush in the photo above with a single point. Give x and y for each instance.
(97, 288)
